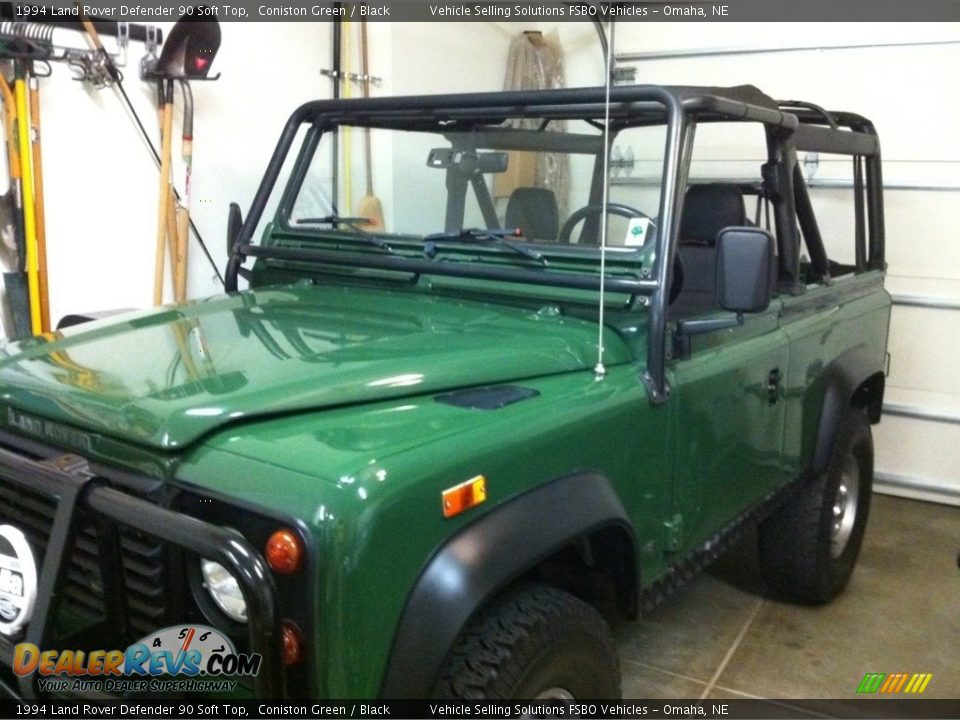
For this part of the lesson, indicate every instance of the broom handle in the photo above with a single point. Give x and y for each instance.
(164, 197)
(366, 93)
(26, 185)
(33, 90)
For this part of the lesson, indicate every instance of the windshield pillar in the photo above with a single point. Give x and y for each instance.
(671, 201)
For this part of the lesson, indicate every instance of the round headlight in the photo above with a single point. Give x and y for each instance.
(224, 590)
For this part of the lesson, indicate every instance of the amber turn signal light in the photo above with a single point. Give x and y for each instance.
(293, 649)
(284, 552)
(464, 496)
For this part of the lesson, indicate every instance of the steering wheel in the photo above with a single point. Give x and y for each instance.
(612, 208)
(627, 212)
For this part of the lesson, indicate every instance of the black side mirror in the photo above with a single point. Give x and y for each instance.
(745, 269)
(234, 223)
(746, 275)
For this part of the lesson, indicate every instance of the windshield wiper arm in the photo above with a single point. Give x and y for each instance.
(353, 223)
(494, 236)
(334, 220)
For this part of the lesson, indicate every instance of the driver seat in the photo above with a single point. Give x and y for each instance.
(707, 209)
(533, 210)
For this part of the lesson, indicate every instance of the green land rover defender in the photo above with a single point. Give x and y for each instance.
(590, 344)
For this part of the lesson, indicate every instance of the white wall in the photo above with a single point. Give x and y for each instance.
(101, 184)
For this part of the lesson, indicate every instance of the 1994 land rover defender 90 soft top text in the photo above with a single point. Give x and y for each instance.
(401, 464)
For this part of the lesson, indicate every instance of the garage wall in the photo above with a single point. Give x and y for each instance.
(910, 94)
(101, 184)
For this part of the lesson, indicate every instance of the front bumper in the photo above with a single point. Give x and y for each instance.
(72, 487)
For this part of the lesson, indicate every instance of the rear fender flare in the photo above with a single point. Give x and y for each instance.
(842, 377)
(481, 560)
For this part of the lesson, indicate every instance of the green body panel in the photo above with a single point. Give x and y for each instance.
(367, 481)
(363, 472)
(283, 349)
(851, 315)
(728, 432)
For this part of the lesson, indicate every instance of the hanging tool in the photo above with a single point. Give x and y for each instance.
(117, 82)
(24, 42)
(164, 94)
(187, 55)
(369, 206)
(15, 281)
(171, 234)
(165, 103)
(21, 78)
(33, 90)
(183, 212)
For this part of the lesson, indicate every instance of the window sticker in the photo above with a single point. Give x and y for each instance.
(637, 231)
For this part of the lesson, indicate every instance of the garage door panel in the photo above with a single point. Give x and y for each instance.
(919, 452)
(924, 348)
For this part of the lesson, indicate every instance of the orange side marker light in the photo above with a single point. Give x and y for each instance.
(464, 496)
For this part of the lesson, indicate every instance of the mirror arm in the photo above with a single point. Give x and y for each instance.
(234, 223)
(688, 328)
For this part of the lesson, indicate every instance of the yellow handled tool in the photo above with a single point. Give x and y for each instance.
(15, 280)
(29, 213)
(38, 203)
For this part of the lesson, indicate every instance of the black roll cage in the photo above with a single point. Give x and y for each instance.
(790, 126)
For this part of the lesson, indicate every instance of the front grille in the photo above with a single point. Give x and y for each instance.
(83, 593)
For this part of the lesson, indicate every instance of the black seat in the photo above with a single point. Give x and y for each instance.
(707, 209)
(534, 211)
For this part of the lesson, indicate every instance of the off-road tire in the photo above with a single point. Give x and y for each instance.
(798, 557)
(529, 641)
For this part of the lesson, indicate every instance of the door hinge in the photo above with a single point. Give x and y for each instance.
(674, 533)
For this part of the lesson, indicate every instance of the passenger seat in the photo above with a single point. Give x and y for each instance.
(707, 209)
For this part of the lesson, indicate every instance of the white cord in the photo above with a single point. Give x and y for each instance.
(600, 370)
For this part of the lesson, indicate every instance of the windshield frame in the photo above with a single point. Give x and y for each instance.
(651, 105)
(636, 105)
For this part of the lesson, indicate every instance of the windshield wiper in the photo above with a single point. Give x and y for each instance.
(353, 223)
(480, 236)
(334, 220)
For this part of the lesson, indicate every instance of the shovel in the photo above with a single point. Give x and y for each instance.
(21, 76)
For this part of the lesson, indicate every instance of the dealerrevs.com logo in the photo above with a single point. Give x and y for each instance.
(180, 658)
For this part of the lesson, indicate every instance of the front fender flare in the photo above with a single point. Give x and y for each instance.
(482, 559)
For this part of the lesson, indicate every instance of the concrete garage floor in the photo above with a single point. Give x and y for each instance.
(722, 636)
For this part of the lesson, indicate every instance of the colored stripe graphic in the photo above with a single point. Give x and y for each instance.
(918, 683)
(871, 682)
(893, 683)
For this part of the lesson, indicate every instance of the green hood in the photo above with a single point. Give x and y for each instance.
(165, 378)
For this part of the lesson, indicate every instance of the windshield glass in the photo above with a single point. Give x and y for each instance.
(540, 179)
